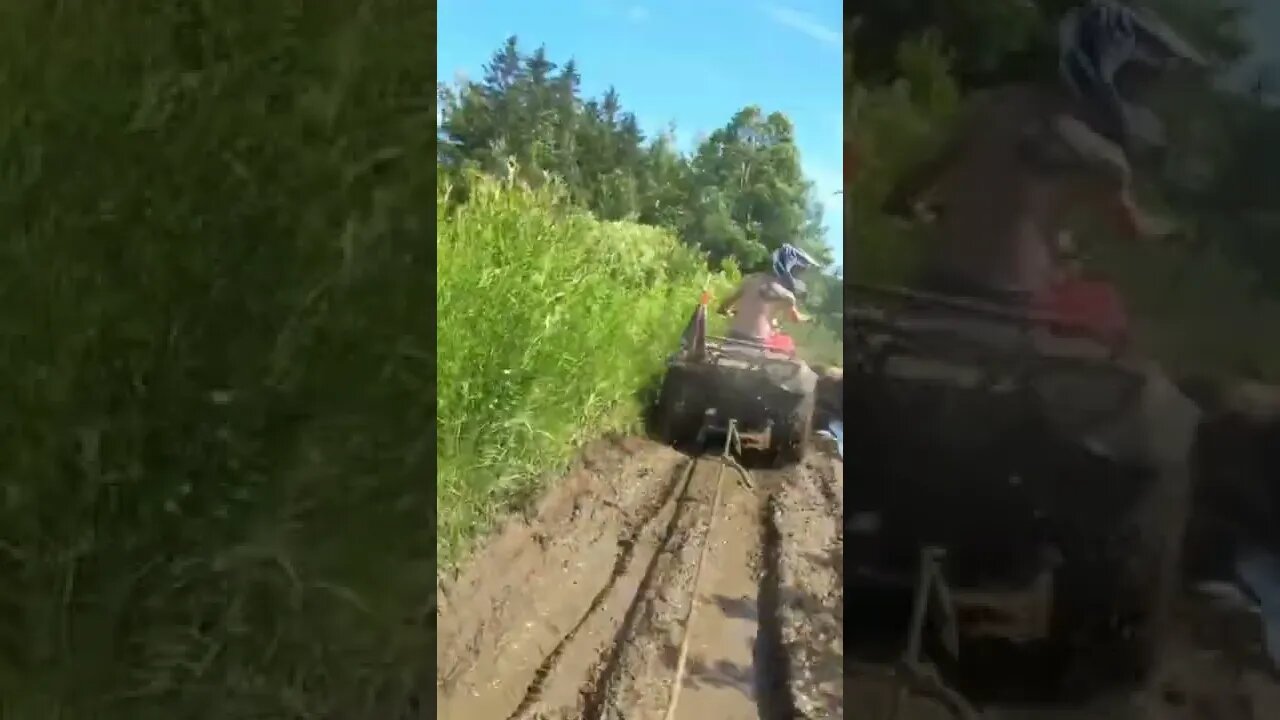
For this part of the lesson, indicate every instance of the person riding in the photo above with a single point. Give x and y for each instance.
(1027, 157)
(761, 295)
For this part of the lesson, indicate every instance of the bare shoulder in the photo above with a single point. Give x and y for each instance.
(1055, 137)
(772, 289)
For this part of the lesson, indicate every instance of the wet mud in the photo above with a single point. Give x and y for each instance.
(582, 608)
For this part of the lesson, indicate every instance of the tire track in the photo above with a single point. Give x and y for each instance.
(589, 634)
(630, 684)
(676, 489)
(776, 702)
(597, 691)
(806, 515)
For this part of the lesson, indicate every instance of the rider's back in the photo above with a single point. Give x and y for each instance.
(762, 295)
(1022, 161)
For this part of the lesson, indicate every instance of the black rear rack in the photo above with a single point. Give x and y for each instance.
(882, 316)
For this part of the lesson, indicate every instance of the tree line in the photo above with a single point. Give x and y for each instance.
(737, 197)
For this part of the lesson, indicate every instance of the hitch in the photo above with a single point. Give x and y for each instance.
(912, 674)
(733, 443)
(713, 426)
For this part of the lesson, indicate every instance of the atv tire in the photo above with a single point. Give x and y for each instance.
(676, 419)
(1117, 640)
(794, 432)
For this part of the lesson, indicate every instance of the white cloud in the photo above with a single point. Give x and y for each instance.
(805, 23)
(637, 13)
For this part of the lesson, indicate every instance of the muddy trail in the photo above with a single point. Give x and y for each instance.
(1210, 671)
(1215, 666)
(579, 610)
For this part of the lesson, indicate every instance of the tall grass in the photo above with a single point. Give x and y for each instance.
(550, 325)
(217, 377)
(817, 344)
(1198, 312)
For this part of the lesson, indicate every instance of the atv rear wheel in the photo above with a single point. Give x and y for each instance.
(1119, 639)
(795, 431)
(676, 419)
(1153, 565)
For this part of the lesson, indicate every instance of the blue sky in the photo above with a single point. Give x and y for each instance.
(693, 63)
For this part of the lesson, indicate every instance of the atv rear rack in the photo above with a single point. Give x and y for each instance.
(882, 330)
(881, 318)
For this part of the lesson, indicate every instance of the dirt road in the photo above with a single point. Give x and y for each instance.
(1215, 667)
(1200, 679)
(580, 609)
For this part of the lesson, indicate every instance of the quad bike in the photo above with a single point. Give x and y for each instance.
(764, 387)
(1050, 545)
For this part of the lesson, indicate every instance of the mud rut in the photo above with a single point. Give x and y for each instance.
(580, 610)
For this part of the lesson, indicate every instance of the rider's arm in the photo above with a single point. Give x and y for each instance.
(1110, 175)
(776, 293)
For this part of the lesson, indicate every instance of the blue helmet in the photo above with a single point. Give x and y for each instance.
(1102, 38)
(786, 261)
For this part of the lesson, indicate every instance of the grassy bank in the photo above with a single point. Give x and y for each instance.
(550, 326)
(817, 344)
(214, 499)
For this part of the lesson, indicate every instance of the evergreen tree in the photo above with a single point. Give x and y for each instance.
(740, 196)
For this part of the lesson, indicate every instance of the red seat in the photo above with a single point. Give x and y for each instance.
(782, 343)
(1092, 304)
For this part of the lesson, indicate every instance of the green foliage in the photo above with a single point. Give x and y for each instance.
(824, 299)
(213, 464)
(817, 344)
(749, 195)
(1198, 310)
(895, 127)
(740, 195)
(984, 36)
(551, 324)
